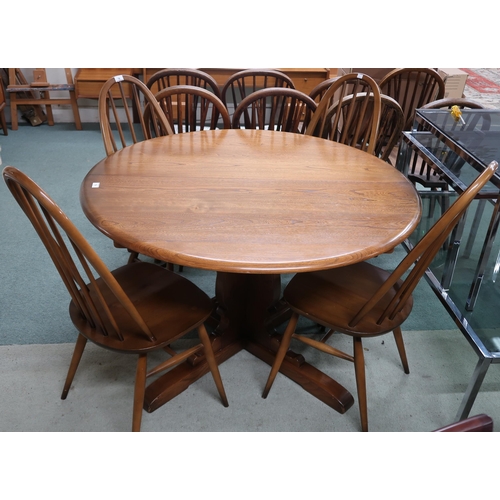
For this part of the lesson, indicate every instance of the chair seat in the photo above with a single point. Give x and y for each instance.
(149, 287)
(428, 181)
(333, 298)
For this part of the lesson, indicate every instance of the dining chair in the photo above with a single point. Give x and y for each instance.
(182, 76)
(121, 108)
(390, 126)
(349, 120)
(362, 300)
(121, 104)
(135, 309)
(247, 81)
(412, 88)
(275, 108)
(189, 109)
(317, 92)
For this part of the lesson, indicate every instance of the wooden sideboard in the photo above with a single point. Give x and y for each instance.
(88, 81)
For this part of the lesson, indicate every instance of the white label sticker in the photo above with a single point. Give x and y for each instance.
(95, 185)
(119, 78)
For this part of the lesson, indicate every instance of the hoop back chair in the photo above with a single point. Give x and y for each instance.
(390, 126)
(117, 92)
(245, 82)
(135, 309)
(363, 300)
(412, 88)
(317, 92)
(349, 120)
(275, 108)
(189, 109)
(170, 77)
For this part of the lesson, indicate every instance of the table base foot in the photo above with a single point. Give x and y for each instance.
(309, 378)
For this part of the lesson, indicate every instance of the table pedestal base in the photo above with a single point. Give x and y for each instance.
(247, 308)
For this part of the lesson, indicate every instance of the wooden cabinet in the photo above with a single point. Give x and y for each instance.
(304, 79)
(88, 81)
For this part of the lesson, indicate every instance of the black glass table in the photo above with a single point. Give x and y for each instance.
(464, 273)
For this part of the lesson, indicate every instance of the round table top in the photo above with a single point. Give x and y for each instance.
(250, 201)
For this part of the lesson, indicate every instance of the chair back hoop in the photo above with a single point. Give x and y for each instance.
(188, 108)
(247, 81)
(75, 261)
(448, 102)
(390, 127)
(170, 77)
(349, 120)
(318, 92)
(412, 88)
(116, 94)
(423, 253)
(275, 108)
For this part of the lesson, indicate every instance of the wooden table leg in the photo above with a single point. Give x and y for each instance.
(246, 307)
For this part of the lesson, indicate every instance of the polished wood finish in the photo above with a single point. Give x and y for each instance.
(181, 76)
(319, 90)
(39, 94)
(189, 109)
(478, 423)
(116, 108)
(243, 83)
(135, 309)
(412, 88)
(275, 108)
(304, 79)
(362, 300)
(251, 205)
(342, 118)
(250, 201)
(89, 81)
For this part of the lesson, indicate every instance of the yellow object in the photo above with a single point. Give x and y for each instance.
(456, 112)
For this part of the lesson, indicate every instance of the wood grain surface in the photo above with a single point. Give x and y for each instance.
(250, 201)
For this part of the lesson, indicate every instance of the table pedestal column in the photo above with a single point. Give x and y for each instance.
(247, 310)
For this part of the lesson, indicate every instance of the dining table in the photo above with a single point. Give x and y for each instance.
(251, 205)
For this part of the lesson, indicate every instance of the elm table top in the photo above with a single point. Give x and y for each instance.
(250, 201)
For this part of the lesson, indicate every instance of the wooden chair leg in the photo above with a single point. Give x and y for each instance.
(398, 336)
(359, 368)
(48, 108)
(280, 355)
(13, 112)
(212, 363)
(81, 342)
(133, 257)
(139, 391)
(76, 112)
(3, 122)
